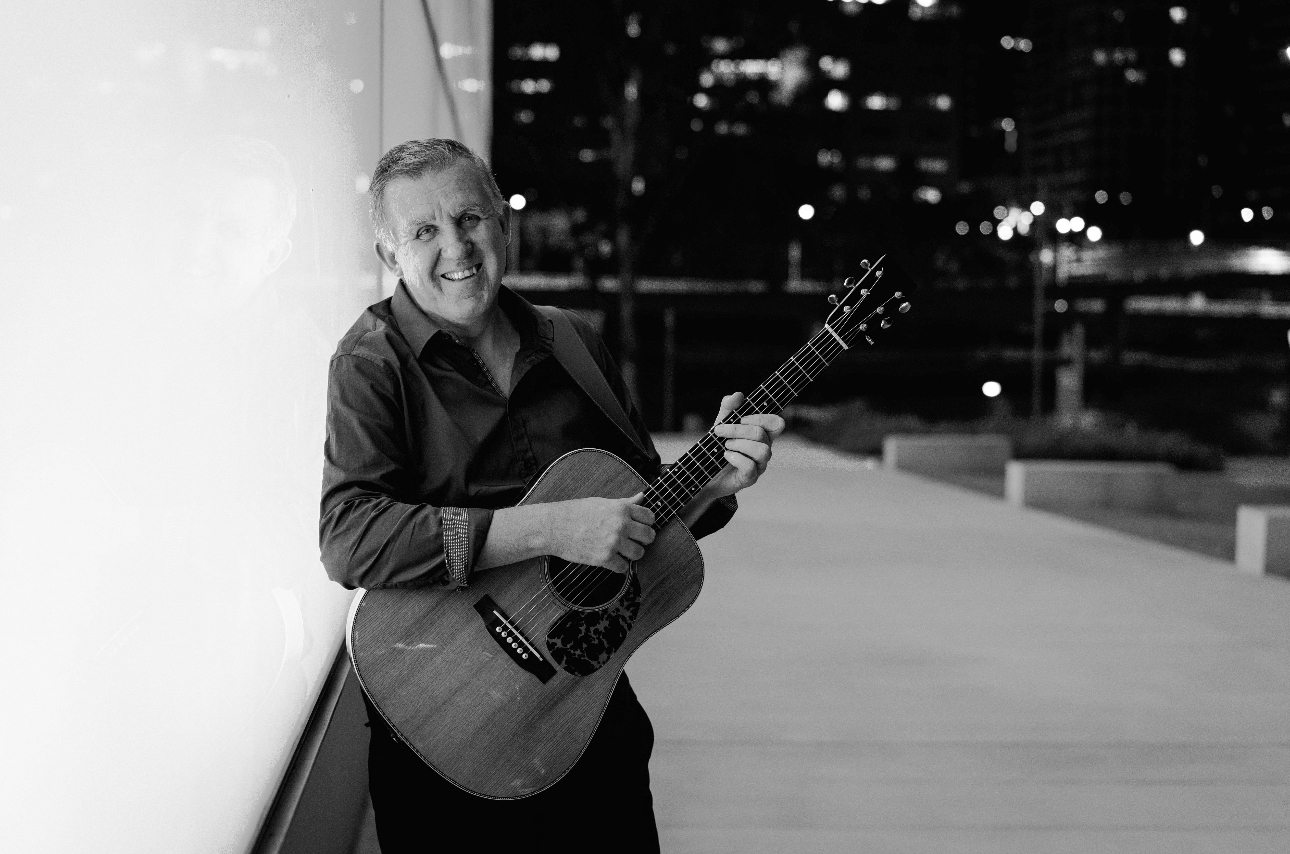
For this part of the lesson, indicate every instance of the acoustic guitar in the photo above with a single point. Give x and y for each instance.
(500, 686)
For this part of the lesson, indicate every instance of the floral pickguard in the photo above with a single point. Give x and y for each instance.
(582, 642)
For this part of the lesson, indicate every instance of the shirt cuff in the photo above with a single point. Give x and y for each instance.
(464, 532)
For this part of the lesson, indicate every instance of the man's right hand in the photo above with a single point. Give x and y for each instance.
(608, 532)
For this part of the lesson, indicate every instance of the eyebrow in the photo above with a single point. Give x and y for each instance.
(415, 224)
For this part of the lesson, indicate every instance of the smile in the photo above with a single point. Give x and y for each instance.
(458, 275)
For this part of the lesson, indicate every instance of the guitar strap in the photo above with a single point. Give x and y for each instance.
(571, 351)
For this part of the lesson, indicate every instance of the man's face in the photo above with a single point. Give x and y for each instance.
(449, 243)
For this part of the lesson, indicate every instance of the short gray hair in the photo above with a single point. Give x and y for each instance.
(415, 158)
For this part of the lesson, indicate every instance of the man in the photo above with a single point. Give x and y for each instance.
(444, 403)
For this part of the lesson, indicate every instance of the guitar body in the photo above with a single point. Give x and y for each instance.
(499, 687)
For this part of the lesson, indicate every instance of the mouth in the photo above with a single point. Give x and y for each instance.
(461, 275)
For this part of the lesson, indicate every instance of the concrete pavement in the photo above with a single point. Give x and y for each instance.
(881, 663)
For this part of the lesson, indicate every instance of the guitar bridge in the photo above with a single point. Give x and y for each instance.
(512, 640)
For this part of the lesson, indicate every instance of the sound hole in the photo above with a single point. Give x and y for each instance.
(584, 587)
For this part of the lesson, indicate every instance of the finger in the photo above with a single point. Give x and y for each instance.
(635, 499)
(743, 430)
(644, 515)
(643, 534)
(772, 424)
(631, 549)
(729, 404)
(617, 564)
(758, 452)
(746, 467)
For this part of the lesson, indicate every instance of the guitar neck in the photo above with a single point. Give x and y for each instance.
(680, 483)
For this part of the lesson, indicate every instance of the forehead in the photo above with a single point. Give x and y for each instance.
(435, 195)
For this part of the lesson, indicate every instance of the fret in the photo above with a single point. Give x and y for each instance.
(676, 487)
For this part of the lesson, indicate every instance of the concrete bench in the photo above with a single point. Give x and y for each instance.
(1263, 539)
(1076, 483)
(975, 454)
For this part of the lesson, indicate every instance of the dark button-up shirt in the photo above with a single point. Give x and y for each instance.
(421, 439)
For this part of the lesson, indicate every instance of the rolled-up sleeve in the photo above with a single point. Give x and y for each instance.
(370, 535)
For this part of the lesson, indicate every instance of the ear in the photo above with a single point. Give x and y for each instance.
(506, 222)
(279, 253)
(386, 254)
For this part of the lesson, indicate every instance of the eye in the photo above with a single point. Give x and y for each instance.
(470, 219)
(426, 232)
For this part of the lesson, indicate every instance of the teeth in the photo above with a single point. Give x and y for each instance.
(458, 275)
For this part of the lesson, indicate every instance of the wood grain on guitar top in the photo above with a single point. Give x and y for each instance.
(444, 685)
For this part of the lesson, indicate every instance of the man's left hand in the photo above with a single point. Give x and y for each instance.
(747, 446)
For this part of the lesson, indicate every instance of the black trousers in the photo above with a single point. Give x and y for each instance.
(602, 804)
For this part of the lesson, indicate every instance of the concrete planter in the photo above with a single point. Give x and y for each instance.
(1076, 483)
(934, 453)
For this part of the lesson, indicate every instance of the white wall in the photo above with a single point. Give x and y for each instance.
(165, 324)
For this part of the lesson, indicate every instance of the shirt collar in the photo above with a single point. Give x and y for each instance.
(417, 327)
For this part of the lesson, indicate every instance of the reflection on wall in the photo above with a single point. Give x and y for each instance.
(183, 238)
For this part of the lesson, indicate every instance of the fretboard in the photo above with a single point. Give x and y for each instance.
(680, 483)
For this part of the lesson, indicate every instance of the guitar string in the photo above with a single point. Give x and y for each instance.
(594, 576)
(680, 483)
(588, 577)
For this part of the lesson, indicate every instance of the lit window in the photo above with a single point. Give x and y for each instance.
(1024, 45)
(1008, 124)
(696, 125)
(1126, 198)
(934, 165)
(1005, 231)
(586, 155)
(1000, 212)
(518, 202)
(707, 79)
(722, 128)
(986, 227)
(835, 67)
(530, 86)
(881, 101)
(536, 52)
(931, 195)
(1060, 306)
(1077, 224)
(940, 102)
(1037, 208)
(806, 211)
(838, 193)
(702, 101)
(877, 163)
(524, 117)
(962, 227)
(638, 186)
(1099, 57)
(1177, 57)
(472, 85)
(1267, 212)
(1008, 42)
(1063, 225)
(1247, 215)
(1197, 237)
(1135, 75)
(1178, 14)
(837, 101)
(1094, 234)
(829, 158)
(1216, 191)
(1102, 196)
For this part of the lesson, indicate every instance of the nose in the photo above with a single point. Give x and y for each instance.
(456, 243)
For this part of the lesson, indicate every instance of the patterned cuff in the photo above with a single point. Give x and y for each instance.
(456, 544)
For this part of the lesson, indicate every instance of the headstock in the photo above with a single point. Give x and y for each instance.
(870, 304)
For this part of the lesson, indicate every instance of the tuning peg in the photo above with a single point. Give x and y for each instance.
(903, 307)
(864, 265)
(898, 295)
(846, 309)
(833, 299)
(862, 327)
(846, 283)
(878, 275)
(878, 310)
(864, 292)
(886, 323)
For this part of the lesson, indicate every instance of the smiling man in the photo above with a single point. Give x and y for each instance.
(444, 403)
